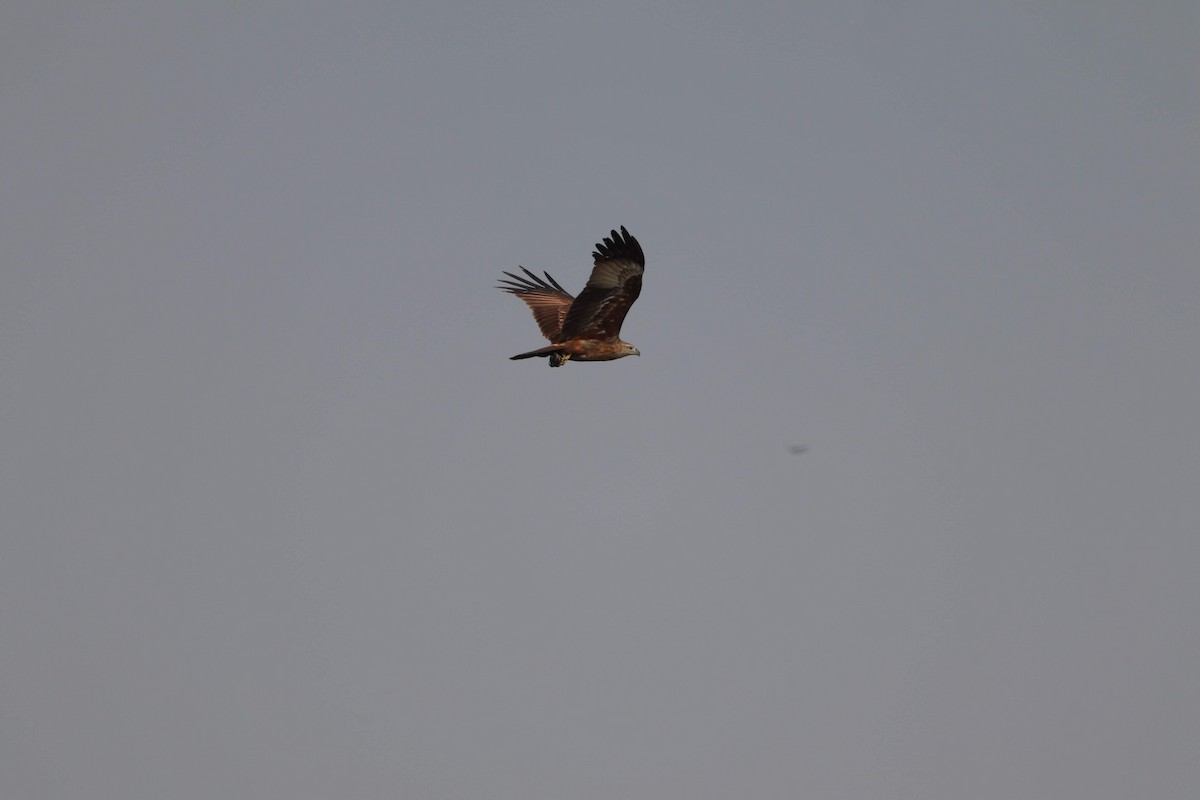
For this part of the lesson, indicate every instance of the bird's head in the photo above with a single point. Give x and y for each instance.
(629, 350)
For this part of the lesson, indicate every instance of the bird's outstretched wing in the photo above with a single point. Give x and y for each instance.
(616, 281)
(549, 302)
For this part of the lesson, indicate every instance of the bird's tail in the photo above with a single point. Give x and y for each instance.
(554, 351)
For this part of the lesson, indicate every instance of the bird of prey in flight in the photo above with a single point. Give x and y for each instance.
(587, 327)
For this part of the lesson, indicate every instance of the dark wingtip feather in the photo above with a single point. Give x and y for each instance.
(619, 245)
(531, 284)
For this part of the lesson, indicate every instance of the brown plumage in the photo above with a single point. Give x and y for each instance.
(588, 327)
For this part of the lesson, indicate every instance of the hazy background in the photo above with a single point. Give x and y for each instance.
(280, 519)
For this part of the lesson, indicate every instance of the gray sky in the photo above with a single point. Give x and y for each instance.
(280, 519)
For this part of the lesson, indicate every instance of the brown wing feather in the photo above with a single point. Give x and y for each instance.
(616, 281)
(549, 302)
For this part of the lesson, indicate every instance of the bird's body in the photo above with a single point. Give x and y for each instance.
(587, 327)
